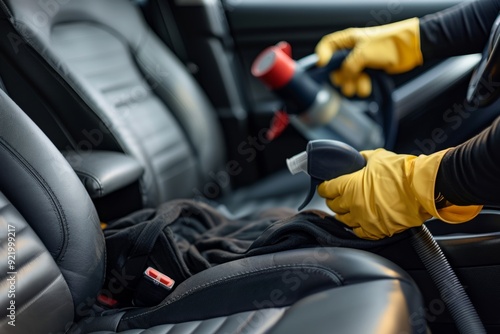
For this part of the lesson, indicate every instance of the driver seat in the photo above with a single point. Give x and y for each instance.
(108, 83)
(48, 222)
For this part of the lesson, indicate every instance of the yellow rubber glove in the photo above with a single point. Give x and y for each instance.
(394, 48)
(390, 194)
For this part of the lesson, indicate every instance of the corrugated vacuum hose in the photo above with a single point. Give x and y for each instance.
(451, 290)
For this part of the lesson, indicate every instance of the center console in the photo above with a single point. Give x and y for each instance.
(111, 179)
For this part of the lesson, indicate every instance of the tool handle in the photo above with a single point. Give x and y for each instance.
(328, 159)
(322, 74)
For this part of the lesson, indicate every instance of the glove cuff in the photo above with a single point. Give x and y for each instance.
(423, 180)
(406, 36)
(415, 27)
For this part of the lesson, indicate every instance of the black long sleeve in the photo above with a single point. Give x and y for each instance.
(470, 173)
(459, 30)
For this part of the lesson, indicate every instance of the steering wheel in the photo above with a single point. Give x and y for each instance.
(487, 72)
(379, 105)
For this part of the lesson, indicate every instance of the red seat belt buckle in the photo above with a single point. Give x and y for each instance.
(107, 301)
(153, 289)
(159, 278)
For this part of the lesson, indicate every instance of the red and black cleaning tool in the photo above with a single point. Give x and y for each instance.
(310, 97)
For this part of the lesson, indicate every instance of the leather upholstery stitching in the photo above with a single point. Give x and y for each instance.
(56, 206)
(335, 276)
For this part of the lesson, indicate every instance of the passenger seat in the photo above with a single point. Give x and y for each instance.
(107, 80)
(60, 260)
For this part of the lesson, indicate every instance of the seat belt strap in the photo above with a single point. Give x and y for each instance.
(171, 31)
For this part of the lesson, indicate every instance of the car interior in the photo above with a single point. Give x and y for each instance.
(111, 106)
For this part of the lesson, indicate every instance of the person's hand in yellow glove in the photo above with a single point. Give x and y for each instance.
(394, 48)
(390, 194)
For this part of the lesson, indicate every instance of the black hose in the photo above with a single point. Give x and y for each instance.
(452, 292)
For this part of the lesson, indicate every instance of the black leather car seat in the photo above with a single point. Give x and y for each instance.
(110, 83)
(60, 259)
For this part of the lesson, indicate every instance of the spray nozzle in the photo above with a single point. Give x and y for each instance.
(325, 160)
(297, 163)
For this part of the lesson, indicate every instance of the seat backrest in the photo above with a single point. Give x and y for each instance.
(48, 228)
(137, 91)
